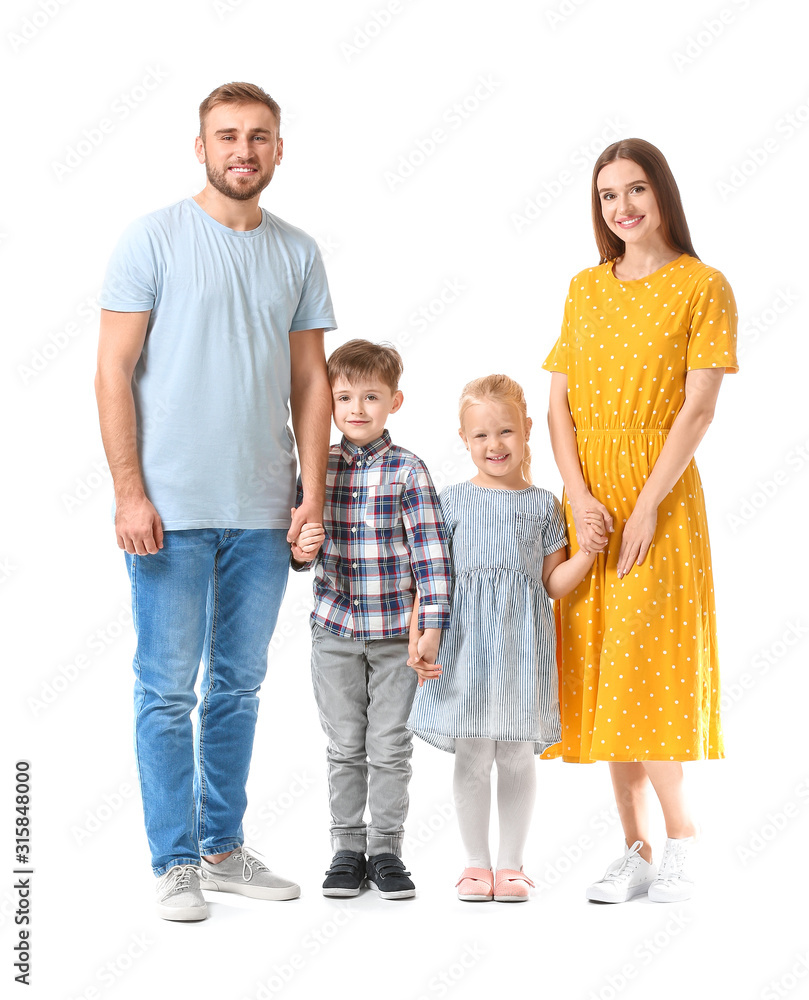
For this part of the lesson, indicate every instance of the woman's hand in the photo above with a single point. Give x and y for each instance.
(593, 522)
(637, 536)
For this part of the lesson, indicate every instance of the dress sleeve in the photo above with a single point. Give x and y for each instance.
(554, 534)
(450, 521)
(558, 359)
(712, 327)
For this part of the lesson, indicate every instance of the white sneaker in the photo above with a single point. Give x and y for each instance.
(675, 881)
(179, 896)
(245, 873)
(626, 877)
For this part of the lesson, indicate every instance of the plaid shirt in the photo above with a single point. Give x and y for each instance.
(384, 528)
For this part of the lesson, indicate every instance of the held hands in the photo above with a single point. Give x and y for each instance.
(305, 546)
(593, 523)
(423, 649)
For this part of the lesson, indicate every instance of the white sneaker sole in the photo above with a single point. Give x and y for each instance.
(602, 895)
(471, 898)
(182, 912)
(253, 891)
(670, 896)
(400, 894)
(341, 892)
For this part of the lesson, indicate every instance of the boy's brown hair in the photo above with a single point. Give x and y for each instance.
(358, 360)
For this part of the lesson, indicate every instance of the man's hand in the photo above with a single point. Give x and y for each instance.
(309, 512)
(306, 545)
(138, 527)
(423, 650)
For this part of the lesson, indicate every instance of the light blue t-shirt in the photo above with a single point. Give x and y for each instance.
(212, 385)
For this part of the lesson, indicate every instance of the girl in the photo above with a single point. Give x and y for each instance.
(646, 339)
(496, 698)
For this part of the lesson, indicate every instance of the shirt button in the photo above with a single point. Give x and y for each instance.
(353, 529)
(353, 565)
(353, 494)
(356, 602)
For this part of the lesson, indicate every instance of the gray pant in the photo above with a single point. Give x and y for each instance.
(364, 691)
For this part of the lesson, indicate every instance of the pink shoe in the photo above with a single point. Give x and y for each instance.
(511, 886)
(476, 885)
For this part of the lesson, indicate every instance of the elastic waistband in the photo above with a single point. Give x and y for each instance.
(622, 430)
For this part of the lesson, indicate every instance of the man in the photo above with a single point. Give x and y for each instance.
(212, 322)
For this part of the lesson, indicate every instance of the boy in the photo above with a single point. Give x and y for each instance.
(382, 534)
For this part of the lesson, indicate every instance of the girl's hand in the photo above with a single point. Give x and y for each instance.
(423, 651)
(593, 522)
(636, 538)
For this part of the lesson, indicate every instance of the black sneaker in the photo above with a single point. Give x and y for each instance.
(386, 873)
(346, 874)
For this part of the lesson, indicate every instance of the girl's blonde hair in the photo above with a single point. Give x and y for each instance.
(500, 389)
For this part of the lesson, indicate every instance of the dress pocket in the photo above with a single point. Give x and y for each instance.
(528, 527)
(383, 507)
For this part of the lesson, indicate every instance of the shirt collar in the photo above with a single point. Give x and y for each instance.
(370, 452)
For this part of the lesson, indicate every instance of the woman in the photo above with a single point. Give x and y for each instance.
(646, 338)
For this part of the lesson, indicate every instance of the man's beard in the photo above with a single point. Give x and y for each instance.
(239, 190)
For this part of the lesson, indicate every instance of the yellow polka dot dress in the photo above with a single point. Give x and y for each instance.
(638, 667)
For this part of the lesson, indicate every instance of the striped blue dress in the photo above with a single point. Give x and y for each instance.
(499, 678)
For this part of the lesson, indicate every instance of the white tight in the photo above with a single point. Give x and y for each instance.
(516, 791)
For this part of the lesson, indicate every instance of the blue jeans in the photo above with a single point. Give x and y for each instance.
(209, 594)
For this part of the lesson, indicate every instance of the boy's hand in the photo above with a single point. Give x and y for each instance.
(305, 546)
(423, 650)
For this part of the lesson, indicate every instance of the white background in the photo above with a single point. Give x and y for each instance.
(360, 100)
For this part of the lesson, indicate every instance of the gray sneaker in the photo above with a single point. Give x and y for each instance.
(244, 873)
(178, 894)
